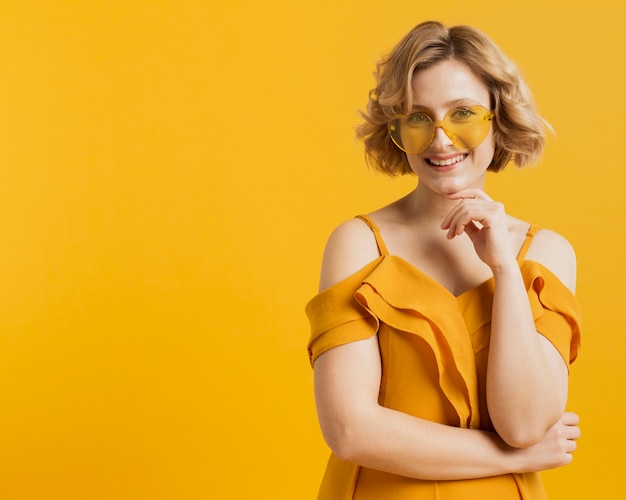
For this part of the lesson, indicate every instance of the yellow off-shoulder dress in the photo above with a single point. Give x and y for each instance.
(433, 348)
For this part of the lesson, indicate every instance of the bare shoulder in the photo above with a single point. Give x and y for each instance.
(555, 253)
(350, 247)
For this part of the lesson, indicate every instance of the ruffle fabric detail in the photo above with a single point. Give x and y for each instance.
(392, 291)
(555, 309)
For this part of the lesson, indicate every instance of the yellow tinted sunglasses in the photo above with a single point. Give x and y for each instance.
(466, 127)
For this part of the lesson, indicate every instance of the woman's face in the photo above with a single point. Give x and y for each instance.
(445, 167)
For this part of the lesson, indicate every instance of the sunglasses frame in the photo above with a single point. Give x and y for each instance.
(400, 120)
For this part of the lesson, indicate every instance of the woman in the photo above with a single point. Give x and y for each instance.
(444, 328)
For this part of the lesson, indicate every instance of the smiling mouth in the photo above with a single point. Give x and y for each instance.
(446, 162)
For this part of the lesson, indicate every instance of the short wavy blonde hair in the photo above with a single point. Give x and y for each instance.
(518, 129)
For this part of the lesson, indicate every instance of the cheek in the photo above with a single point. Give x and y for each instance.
(487, 149)
(415, 162)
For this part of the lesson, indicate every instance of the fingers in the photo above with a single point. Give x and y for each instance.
(570, 446)
(571, 433)
(569, 422)
(484, 221)
(478, 194)
(570, 430)
(559, 444)
(469, 211)
(460, 195)
(569, 418)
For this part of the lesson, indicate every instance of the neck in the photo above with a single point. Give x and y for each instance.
(427, 205)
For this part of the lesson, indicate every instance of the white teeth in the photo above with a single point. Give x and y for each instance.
(449, 161)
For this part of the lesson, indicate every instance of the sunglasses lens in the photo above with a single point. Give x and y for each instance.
(467, 127)
(409, 138)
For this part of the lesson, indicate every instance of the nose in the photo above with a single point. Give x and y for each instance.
(440, 139)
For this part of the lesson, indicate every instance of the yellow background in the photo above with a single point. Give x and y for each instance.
(169, 172)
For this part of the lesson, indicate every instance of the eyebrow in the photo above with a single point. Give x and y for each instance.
(464, 101)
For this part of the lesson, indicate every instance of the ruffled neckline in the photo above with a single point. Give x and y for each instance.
(394, 292)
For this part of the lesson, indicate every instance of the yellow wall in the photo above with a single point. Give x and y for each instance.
(169, 172)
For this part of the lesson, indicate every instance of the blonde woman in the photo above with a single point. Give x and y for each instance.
(443, 331)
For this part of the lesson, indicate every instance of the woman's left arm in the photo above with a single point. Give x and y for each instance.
(527, 379)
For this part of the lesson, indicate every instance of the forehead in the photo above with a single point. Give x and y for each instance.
(448, 82)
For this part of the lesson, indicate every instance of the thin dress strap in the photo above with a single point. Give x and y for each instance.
(532, 231)
(382, 248)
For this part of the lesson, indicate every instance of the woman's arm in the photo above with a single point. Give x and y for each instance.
(358, 429)
(526, 375)
(527, 379)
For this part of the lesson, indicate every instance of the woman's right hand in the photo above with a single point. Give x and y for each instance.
(554, 450)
